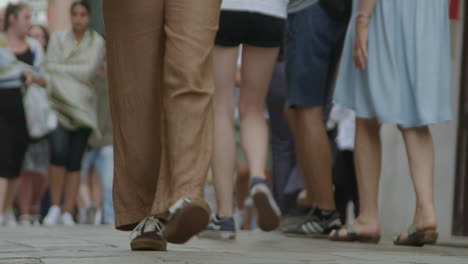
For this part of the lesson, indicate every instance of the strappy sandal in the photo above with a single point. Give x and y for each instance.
(417, 238)
(353, 236)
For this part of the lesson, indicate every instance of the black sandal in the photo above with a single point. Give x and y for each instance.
(417, 238)
(353, 236)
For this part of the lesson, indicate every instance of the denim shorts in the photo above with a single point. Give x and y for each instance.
(314, 45)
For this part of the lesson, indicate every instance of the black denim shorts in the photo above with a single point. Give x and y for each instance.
(255, 29)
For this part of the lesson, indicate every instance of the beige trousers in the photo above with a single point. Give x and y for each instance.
(161, 94)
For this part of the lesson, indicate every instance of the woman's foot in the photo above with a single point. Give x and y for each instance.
(366, 231)
(422, 231)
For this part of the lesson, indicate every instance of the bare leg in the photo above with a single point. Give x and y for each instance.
(12, 190)
(257, 69)
(310, 200)
(39, 187)
(56, 179)
(242, 185)
(368, 159)
(224, 155)
(420, 149)
(71, 191)
(96, 188)
(25, 192)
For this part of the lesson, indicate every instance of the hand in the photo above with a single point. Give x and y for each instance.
(360, 54)
(28, 79)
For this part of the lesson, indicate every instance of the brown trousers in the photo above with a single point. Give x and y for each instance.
(161, 94)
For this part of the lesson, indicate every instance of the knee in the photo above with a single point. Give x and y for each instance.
(424, 130)
(249, 109)
(371, 125)
(309, 113)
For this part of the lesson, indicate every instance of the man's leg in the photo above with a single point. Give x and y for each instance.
(190, 28)
(135, 46)
(314, 150)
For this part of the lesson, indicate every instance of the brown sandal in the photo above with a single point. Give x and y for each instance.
(186, 219)
(353, 236)
(417, 238)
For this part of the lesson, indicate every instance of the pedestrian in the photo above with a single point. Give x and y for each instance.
(161, 93)
(282, 144)
(101, 156)
(344, 176)
(33, 177)
(316, 31)
(258, 26)
(396, 70)
(21, 57)
(73, 60)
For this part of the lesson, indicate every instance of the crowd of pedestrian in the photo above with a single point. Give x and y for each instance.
(280, 106)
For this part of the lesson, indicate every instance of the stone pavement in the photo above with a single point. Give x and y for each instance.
(103, 245)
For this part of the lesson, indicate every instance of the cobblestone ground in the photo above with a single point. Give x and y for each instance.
(103, 245)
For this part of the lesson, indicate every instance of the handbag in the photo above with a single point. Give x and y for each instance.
(40, 118)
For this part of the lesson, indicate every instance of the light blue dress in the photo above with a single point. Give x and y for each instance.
(407, 78)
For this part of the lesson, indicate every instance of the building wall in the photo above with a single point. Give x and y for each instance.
(59, 14)
(397, 199)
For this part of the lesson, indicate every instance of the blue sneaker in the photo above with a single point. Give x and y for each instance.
(268, 212)
(224, 229)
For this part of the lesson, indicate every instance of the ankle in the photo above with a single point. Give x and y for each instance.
(368, 221)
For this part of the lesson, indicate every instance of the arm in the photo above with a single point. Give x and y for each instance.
(360, 55)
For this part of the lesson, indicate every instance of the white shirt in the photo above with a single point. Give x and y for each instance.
(346, 119)
(276, 8)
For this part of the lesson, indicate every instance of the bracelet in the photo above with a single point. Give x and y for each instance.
(364, 15)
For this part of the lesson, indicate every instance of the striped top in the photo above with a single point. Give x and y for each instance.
(11, 69)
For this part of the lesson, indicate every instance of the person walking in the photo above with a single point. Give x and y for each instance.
(161, 93)
(258, 26)
(316, 31)
(101, 154)
(33, 176)
(20, 60)
(73, 60)
(396, 70)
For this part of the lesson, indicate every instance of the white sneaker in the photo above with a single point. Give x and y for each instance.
(98, 217)
(67, 220)
(25, 220)
(10, 218)
(37, 220)
(52, 217)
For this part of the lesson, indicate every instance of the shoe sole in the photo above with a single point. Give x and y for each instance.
(187, 222)
(420, 239)
(312, 236)
(268, 220)
(145, 244)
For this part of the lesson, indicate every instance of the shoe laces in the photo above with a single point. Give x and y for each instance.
(149, 224)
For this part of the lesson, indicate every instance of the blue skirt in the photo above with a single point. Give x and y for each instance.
(407, 78)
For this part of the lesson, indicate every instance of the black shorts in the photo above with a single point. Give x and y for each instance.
(255, 29)
(67, 147)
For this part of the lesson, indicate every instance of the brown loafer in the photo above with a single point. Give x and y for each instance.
(149, 236)
(187, 218)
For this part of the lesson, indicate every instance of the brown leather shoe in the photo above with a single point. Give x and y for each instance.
(187, 218)
(150, 235)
